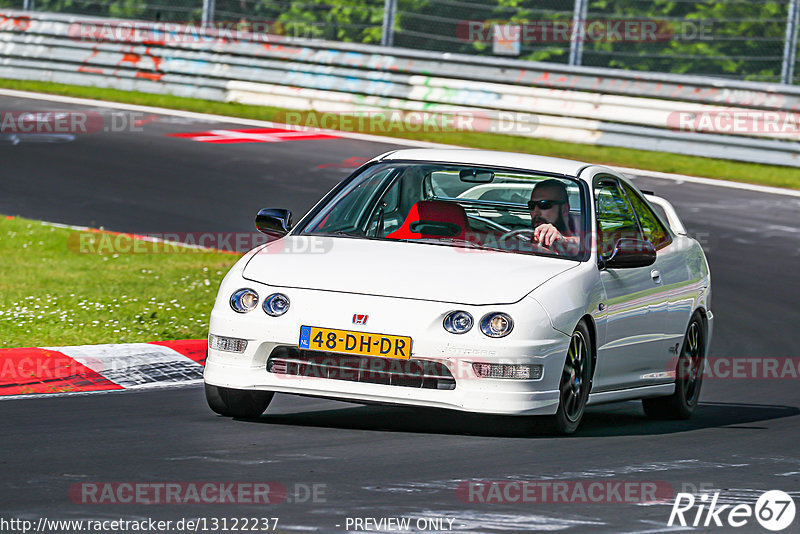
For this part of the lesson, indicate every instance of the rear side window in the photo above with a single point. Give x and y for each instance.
(652, 228)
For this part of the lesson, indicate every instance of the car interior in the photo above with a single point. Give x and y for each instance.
(445, 203)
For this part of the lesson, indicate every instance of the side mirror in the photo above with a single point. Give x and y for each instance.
(275, 222)
(630, 253)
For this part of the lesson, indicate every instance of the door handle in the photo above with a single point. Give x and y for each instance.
(656, 276)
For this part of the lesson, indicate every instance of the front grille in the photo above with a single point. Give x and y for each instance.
(390, 371)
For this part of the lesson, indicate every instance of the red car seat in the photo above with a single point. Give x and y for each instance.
(433, 219)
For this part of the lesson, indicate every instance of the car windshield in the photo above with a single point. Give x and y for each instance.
(457, 205)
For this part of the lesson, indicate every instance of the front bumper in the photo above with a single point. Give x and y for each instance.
(532, 341)
(471, 393)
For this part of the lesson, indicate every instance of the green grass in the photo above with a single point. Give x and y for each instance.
(656, 161)
(52, 295)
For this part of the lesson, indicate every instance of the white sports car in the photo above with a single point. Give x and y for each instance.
(471, 280)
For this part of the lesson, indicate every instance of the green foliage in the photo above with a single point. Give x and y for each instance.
(51, 294)
(727, 38)
(343, 20)
(730, 38)
(126, 8)
(172, 10)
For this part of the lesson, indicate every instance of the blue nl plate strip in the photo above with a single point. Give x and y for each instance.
(305, 337)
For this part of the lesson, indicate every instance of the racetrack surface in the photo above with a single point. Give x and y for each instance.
(375, 461)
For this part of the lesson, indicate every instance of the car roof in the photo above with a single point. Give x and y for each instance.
(490, 158)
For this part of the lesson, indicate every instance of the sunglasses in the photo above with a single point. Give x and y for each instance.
(543, 204)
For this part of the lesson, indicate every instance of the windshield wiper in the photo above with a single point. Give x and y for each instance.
(342, 233)
(337, 233)
(445, 241)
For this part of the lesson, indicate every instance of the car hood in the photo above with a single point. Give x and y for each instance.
(402, 269)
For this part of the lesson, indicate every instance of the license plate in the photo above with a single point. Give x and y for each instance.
(361, 343)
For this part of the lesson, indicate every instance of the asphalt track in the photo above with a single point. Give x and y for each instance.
(373, 461)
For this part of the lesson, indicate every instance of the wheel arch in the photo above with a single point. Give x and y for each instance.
(588, 320)
(701, 311)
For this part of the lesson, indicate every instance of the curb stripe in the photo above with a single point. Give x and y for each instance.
(194, 349)
(42, 371)
(136, 365)
(36, 370)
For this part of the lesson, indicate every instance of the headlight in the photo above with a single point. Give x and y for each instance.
(496, 324)
(244, 300)
(276, 304)
(458, 322)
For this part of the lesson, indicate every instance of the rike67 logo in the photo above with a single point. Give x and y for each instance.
(774, 510)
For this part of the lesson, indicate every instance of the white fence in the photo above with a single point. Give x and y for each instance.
(678, 114)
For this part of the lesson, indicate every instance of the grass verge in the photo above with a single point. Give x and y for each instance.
(642, 159)
(52, 295)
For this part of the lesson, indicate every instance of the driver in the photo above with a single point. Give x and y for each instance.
(549, 207)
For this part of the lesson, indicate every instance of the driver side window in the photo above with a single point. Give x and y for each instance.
(615, 217)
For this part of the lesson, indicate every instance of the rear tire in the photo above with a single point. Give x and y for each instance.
(688, 378)
(576, 381)
(237, 402)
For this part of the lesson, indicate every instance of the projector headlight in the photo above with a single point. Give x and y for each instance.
(458, 322)
(276, 304)
(244, 300)
(496, 324)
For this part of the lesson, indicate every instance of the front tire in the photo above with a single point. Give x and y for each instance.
(237, 402)
(688, 378)
(576, 381)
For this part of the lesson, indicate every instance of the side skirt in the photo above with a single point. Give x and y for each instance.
(661, 390)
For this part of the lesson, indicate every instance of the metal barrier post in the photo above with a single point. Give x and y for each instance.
(790, 44)
(208, 13)
(27, 5)
(387, 33)
(578, 32)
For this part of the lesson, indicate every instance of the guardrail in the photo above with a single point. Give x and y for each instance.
(678, 114)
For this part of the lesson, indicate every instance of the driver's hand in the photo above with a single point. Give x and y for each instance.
(547, 234)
